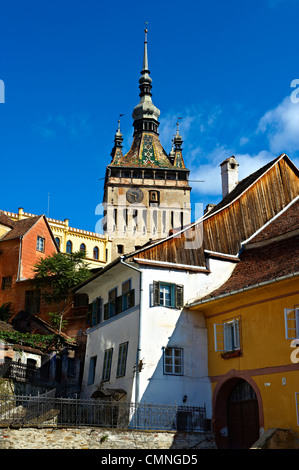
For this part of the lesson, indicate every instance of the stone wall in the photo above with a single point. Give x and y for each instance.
(100, 438)
(277, 438)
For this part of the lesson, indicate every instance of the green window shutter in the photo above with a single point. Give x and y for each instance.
(99, 309)
(179, 296)
(106, 311)
(132, 298)
(156, 293)
(94, 313)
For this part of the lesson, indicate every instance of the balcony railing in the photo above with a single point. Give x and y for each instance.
(22, 372)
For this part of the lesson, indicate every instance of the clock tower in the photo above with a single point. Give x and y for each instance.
(146, 191)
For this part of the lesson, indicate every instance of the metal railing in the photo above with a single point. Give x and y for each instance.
(46, 409)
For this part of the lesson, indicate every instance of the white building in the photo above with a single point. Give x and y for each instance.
(138, 323)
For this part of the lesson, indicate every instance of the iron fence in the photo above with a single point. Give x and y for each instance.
(46, 409)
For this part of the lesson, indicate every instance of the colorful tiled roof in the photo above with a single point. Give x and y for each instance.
(146, 152)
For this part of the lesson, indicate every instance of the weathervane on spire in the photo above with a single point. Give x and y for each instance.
(177, 138)
(119, 122)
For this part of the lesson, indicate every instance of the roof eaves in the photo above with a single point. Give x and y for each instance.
(96, 275)
(243, 289)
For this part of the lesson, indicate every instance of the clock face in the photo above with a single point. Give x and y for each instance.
(134, 195)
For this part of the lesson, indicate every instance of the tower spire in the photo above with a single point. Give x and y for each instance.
(145, 114)
(145, 57)
(116, 153)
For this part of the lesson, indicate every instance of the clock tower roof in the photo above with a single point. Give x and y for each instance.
(146, 150)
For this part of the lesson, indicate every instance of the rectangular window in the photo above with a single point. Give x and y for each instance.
(227, 336)
(92, 370)
(107, 364)
(40, 244)
(173, 361)
(32, 301)
(6, 282)
(80, 300)
(122, 359)
(291, 318)
(168, 295)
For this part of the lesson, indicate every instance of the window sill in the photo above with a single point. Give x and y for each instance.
(229, 354)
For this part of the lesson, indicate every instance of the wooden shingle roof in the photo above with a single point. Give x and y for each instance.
(254, 202)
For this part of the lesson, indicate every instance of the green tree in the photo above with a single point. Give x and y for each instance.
(5, 311)
(56, 276)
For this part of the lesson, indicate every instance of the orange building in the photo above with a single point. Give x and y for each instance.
(22, 244)
(252, 321)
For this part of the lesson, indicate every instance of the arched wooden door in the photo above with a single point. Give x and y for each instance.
(242, 416)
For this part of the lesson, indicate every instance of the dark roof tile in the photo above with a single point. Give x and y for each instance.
(20, 228)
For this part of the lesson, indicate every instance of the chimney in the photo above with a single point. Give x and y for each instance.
(20, 213)
(229, 175)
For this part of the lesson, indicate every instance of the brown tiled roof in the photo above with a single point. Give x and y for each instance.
(263, 264)
(287, 222)
(20, 228)
(5, 220)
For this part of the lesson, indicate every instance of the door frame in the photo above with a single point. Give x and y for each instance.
(222, 391)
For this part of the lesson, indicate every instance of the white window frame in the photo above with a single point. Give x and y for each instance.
(122, 359)
(173, 358)
(40, 244)
(176, 292)
(222, 335)
(291, 319)
(107, 364)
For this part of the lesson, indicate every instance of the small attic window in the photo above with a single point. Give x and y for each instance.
(40, 244)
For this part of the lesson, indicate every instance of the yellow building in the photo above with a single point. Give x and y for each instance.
(252, 321)
(97, 247)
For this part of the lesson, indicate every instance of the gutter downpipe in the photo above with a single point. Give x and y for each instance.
(20, 256)
(139, 328)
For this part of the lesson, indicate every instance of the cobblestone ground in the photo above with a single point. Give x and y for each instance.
(95, 438)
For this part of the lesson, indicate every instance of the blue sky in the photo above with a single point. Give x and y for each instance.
(71, 67)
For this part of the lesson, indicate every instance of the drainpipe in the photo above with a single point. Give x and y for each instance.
(20, 258)
(139, 328)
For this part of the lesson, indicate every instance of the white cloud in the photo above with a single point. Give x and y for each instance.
(281, 126)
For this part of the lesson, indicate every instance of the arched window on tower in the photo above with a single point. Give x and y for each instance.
(95, 253)
(83, 248)
(69, 246)
(154, 197)
(57, 239)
